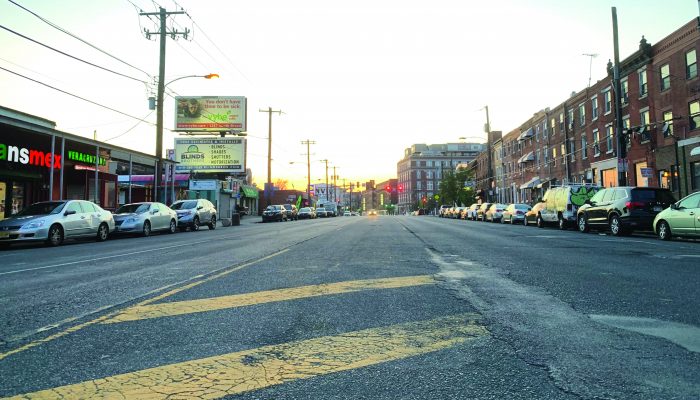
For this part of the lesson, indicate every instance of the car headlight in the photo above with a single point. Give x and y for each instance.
(34, 224)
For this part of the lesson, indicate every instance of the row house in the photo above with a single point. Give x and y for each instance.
(576, 141)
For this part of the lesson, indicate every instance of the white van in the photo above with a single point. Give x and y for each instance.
(562, 203)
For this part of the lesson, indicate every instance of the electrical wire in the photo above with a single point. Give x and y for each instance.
(71, 56)
(76, 96)
(53, 25)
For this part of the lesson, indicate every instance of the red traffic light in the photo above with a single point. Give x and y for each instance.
(387, 189)
(400, 188)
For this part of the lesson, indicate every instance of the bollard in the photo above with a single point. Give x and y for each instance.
(235, 219)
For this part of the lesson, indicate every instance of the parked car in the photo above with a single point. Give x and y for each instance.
(274, 213)
(481, 211)
(443, 210)
(495, 212)
(680, 219)
(306, 213)
(471, 211)
(457, 214)
(623, 209)
(55, 221)
(515, 213)
(531, 215)
(292, 212)
(562, 204)
(347, 214)
(321, 213)
(193, 213)
(145, 218)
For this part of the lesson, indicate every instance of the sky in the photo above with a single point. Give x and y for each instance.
(364, 80)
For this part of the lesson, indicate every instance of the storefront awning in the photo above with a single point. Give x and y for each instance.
(149, 178)
(249, 191)
(531, 183)
(527, 134)
(527, 157)
(695, 151)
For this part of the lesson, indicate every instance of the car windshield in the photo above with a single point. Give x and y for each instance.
(44, 208)
(184, 205)
(305, 209)
(651, 195)
(133, 208)
(522, 206)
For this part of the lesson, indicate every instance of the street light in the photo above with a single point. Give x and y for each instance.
(159, 127)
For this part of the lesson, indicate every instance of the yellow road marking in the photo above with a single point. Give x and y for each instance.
(234, 373)
(147, 311)
(72, 329)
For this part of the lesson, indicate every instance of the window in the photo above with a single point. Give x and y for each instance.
(561, 122)
(625, 91)
(570, 118)
(596, 143)
(668, 124)
(537, 158)
(609, 133)
(691, 64)
(582, 114)
(572, 149)
(594, 107)
(553, 125)
(74, 206)
(644, 122)
(642, 82)
(537, 133)
(665, 77)
(545, 153)
(544, 129)
(694, 114)
(695, 175)
(430, 185)
(584, 147)
(607, 101)
(625, 130)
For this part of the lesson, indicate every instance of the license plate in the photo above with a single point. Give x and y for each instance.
(658, 209)
(4, 235)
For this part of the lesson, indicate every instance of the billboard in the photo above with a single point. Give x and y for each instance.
(210, 154)
(210, 113)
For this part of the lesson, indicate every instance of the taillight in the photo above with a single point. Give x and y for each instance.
(634, 204)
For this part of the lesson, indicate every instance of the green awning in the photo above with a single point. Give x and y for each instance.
(249, 191)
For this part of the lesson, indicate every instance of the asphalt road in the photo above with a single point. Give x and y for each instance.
(353, 307)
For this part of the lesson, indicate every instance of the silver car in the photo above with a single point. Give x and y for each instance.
(54, 221)
(145, 218)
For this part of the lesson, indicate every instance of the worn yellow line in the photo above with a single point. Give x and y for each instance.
(244, 371)
(78, 327)
(147, 311)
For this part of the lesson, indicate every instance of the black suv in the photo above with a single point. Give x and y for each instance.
(292, 212)
(623, 209)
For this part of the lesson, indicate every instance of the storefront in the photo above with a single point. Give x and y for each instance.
(39, 163)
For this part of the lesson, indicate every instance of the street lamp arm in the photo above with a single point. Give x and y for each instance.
(208, 76)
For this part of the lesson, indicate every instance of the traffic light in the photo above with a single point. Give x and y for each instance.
(400, 188)
(425, 200)
(387, 189)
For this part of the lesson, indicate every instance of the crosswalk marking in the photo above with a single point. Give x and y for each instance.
(244, 371)
(159, 310)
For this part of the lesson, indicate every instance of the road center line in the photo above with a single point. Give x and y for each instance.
(234, 373)
(159, 310)
(72, 329)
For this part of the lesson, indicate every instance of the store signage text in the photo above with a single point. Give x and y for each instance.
(84, 158)
(26, 156)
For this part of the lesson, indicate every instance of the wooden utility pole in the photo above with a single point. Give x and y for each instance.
(268, 186)
(308, 144)
(163, 32)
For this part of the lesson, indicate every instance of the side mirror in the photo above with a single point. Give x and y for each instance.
(69, 212)
(155, 210)
(539, 199)
(200, 207)
(675, 206)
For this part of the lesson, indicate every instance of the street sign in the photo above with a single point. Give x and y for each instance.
(204, 184)
(647, 172)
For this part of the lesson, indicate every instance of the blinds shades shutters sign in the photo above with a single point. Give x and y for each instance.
(210, 155)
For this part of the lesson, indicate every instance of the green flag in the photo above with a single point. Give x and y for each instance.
(299, 202)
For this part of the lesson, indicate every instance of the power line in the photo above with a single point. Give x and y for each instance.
(71, 56)
(128, 130)
(76, 96)
(53, 25)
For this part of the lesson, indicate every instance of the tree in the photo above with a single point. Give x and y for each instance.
(452, 190)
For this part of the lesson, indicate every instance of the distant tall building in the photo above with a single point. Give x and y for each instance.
(422, 168)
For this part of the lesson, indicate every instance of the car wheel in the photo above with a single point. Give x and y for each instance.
(583, 226)
(502, 221)
(561, 222)
(102, 232)
(616, 226)
(212, 224)
(146, 231)
(663, 230)
(55, 237)
(195, 224)
(173, 226)
(525, 221)
(540, 222)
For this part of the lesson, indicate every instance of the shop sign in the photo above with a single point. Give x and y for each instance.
(204, 184)
(210, 113)
(210, 155)
(84, 158)
(23, 155)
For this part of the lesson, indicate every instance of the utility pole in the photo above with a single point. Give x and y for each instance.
(327, 192)
(163, 32)
(621, 143)
(268, 186)
(334, 185)
(308, 144)
(488, 149)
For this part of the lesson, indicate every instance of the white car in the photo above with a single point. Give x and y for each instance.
(54, 221)
(145, 218)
